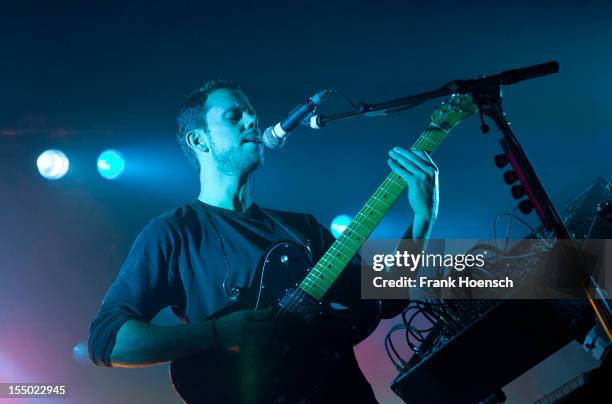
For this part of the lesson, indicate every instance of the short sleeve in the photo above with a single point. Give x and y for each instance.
(142, 288)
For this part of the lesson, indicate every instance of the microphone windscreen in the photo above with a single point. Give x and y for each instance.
(271, 140)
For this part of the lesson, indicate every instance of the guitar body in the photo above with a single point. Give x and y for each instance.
(310, 331)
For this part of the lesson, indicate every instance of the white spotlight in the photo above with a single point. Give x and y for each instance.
(52, 164)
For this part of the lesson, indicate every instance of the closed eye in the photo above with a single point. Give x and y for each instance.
(233, 114)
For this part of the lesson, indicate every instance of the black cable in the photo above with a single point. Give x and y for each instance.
(347, 99)
(228, 271)
(397, 361)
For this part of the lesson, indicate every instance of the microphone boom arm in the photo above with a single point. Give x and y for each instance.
(454, 87)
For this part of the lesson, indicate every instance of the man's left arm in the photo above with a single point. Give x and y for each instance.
(421, 174)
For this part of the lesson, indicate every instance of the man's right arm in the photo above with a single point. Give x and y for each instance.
(145, 285)
(139, 343)
(121, 333)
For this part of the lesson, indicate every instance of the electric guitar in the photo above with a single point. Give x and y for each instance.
(305, 297)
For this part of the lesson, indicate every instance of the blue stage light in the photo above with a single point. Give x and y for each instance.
(52, 164)
(110, 164)
(339, 224)
(79, 353)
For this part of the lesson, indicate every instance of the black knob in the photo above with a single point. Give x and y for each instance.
(510, 177)
(517, 191)
(501, 160)
(484, 128)
(525, 206)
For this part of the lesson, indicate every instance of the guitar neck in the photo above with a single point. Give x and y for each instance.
(323, 275)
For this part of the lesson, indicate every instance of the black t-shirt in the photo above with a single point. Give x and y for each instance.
(182, 258)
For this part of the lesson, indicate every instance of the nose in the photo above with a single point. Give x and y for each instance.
(250, 120)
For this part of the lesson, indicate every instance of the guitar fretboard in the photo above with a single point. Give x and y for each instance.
(323, 275)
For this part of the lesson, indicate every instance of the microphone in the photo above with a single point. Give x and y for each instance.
(275, 136)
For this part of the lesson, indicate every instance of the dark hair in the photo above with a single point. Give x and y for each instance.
(192, 114)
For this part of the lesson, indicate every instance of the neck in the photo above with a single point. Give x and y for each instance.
(225, 191)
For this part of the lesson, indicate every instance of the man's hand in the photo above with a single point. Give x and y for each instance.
(253, 328)
(421, 174)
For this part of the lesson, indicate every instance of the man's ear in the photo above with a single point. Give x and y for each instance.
(196, 140)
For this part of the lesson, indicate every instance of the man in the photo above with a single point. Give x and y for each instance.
(198, 256)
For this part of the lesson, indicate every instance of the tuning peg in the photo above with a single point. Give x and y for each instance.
(517, 191)
(510, 177)
(501, 160)
(525, 206)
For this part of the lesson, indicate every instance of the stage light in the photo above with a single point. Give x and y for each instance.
(52, 164)
(339, 224)
(79, 353)
(110, 164)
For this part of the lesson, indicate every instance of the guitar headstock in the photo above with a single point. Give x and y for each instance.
(452, 111)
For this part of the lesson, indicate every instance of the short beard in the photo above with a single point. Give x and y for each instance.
(234, 161)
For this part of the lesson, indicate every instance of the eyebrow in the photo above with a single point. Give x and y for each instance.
(239, 108)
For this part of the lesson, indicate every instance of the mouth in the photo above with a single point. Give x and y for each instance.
(252, 140)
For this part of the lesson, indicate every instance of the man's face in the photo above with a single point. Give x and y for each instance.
(233, 133)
